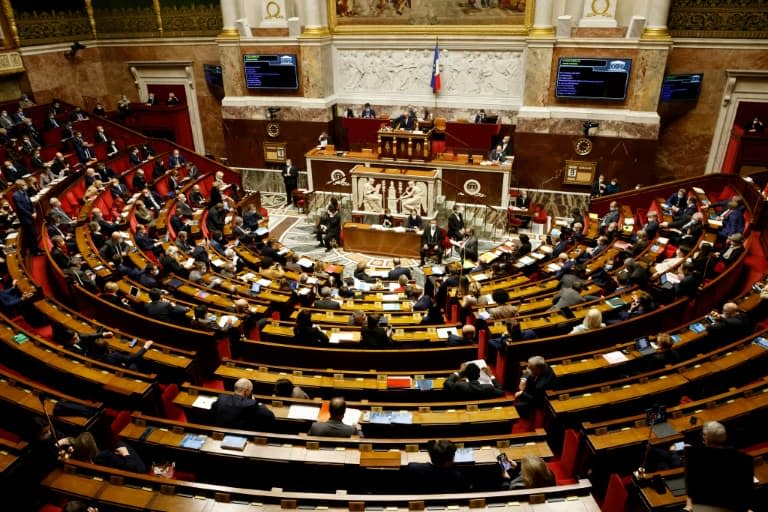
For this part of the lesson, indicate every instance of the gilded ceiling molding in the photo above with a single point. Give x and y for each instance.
(8, 11)
(738, 19)
(91, 19)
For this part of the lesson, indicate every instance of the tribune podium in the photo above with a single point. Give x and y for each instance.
(404, 145)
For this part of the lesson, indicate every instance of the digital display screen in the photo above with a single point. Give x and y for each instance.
(592, 78)
(270, 72)
(681, 87)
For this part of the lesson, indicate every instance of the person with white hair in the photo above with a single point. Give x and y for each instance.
(240, 411)
(535, 380)
(593, 320)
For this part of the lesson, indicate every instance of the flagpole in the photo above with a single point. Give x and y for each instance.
(434, 93)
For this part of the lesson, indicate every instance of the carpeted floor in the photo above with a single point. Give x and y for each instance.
(294, 230)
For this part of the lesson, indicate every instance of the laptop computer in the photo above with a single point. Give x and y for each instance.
(644, 346)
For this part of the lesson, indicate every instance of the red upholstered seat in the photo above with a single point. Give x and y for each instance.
(616, 495)
(564, 468)
(170, 409)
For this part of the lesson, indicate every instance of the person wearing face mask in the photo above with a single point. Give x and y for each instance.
(25, 212)
(431, 241)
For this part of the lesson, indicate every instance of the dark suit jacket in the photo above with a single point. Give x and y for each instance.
(291, 176)
(327, 304)
(455, 224)
(536, 388)
(235, 411)
(413, 222)
(376, 337)
(23, 207)
(395, 273)
(471, 389)
(164, 311)
(427, 238)
(331, 428)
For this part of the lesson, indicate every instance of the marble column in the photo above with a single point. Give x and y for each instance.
(229, 18)
(315, 19)
(538, 78)
(542, 20)
(658, 13)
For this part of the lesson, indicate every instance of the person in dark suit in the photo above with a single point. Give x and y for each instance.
(26, 214)
(172, 99)
(368, 112)
(534, 383)
(611, 216)
(334, 427)
(651, 226)
(465, 384)
(115, 250)
(732, 219)
(432, 240)
(734, 248)
(151, 100)
(240, 411)
(469, 250)
(439, 475)
(467, 336)
(305, 332)
(730, 325)
(163, 310)
(101, 351)
(506, 145)
(290, 180)
(456, 224)
(100, 136)
(689, 283)
(325, 301)
(176, 160)
(134, 157)
(480, 116)
(373, 335)
(138, 183)
(331, 229)
(413, 221)
(677, 200)
(405, 121)
(497, 154)
(397, 271)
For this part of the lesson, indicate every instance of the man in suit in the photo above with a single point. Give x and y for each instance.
(534, 383)
(331, 229)
(368, 112)
(57, 212)
(290, 180)
(240, 411)
(100, 136)
(467, 336)
(134, 157)
(651, 226)
(431, 240)
(456, 224)
(497, 154)
(163, 310)
(151, 199)
(145, 242)
(439, 475)
(176, 160)
(480, 116)
(26, 214)
(611, 216)
(677, 200)
(334, 427)
(469, 250)
(151, 100)
(465, 384)
(732, 219)
(13, 171)
(115, 250)
(60, 164)
(405, 121)
(138, 183)
(373, 335)
(325, 301)
(413, 221)
(506, 145)
(397, 271)
(730, 325)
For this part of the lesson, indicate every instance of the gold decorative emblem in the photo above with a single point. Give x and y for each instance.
(583, 146)
(273, 10)
(273, 129)
(600, 7)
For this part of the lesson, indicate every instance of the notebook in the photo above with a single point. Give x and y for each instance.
(234, 443)
(615, 302)
(643, 346)
(193, 441)
(464, 455)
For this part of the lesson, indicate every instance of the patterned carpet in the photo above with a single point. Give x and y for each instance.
(294, 230)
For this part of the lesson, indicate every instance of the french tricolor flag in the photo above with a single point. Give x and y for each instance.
(436, 70)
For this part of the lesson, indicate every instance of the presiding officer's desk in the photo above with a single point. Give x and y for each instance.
(108, 487)
(286, 460)
(388, 242)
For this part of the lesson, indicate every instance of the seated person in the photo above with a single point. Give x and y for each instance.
(361, 274)
(325, 301)
(124, 457)
(465, 384)
(397, 271)
(307, 333)
(642, 302)
(734, 248)
(387, 220)
(164, 310)
(534, 473)
(592, 320)
(413, 221)
(374, 335)
(534, 383)
(514, 333)
(439, 474)
(335, 427)
(240, 411)
(431, 241)
(101, 351)
(284, 388)
(467, 336)
(730, 325)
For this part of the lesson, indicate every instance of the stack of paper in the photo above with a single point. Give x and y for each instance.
(303, 412)
(204, 401)
(615, 357)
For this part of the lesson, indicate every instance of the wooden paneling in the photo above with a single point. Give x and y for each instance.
(244, 140)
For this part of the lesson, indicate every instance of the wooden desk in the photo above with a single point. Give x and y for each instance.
(403, 144)
(387, 242)
(112, 488)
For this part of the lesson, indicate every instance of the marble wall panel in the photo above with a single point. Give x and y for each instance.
(687, 130)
